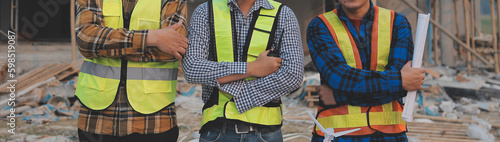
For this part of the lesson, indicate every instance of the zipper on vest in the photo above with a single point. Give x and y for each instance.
(123, 72)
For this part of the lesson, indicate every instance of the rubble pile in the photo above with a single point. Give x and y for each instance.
(42, 96)
(451, 96)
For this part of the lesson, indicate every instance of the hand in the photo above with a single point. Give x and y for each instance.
(326, 95)
(263, 65)
(168, 40)
(413, 78)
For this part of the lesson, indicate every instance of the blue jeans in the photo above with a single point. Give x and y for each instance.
(212, 134)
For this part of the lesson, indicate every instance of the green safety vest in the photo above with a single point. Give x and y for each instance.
(150, 86)
(260, 37)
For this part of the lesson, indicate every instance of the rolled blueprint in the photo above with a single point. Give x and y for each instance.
(418, 52)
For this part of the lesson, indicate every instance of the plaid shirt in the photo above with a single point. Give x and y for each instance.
(94, 39)
(119, 119)
(247, 94)
(361, 87)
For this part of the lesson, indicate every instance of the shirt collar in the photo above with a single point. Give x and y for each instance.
(258, 4)
(343, 16)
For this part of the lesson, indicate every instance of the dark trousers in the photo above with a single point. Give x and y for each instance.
(168, 136)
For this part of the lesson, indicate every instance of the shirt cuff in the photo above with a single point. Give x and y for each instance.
(138, 39)
(395, 82)
(245, 101)
(339, 99)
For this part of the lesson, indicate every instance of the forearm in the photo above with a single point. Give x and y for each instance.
(231, 78)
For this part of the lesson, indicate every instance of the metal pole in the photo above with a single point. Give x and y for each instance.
(73, 38)
(494, 33)
(429, 36)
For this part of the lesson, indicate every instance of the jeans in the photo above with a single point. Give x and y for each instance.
(212, 134)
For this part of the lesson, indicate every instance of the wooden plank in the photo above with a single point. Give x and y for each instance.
(39, 77)
(437, 132)
(498, 14)
(41, 74)
(473, 23)
(458, 27)
(437, 118)
(464, 137)
(467, 34)
(424, 139)
(23, 77)
(444, 130)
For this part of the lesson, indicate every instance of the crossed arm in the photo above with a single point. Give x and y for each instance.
(360, 87)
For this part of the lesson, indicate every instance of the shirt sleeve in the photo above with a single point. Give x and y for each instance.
(196, 67)
(258, 92)
(94, 39)
(357, 86)
(173, 11)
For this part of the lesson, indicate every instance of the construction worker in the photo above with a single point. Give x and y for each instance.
(363, 54)
(229, 42)
(127, 83)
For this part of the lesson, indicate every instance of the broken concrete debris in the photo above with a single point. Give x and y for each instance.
(480, 132)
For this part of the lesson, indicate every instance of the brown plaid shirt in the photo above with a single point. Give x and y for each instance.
(96, 40)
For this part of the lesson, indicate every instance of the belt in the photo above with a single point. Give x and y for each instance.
(242, 127)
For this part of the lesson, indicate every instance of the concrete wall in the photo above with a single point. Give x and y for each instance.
(5, 17)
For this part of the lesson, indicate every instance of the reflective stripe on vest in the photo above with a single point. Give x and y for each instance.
(150, 87)
(224, 107)
(385, 118)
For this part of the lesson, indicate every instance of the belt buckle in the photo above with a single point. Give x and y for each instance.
(242, 129)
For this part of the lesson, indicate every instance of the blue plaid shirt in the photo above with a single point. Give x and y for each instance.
(247, 94)
(361, 87)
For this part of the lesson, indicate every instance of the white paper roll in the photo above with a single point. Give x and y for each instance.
(418, 53)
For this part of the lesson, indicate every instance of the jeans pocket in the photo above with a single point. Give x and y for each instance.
(275, 136)
(210, 135)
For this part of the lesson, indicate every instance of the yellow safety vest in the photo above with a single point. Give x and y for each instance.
(385, 118)
(260, 37)
(150, 86)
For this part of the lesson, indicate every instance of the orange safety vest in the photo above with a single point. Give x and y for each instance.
(385, 118)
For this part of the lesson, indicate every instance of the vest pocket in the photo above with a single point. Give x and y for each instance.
(95, 83)
(111, 13)
(147, 24)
